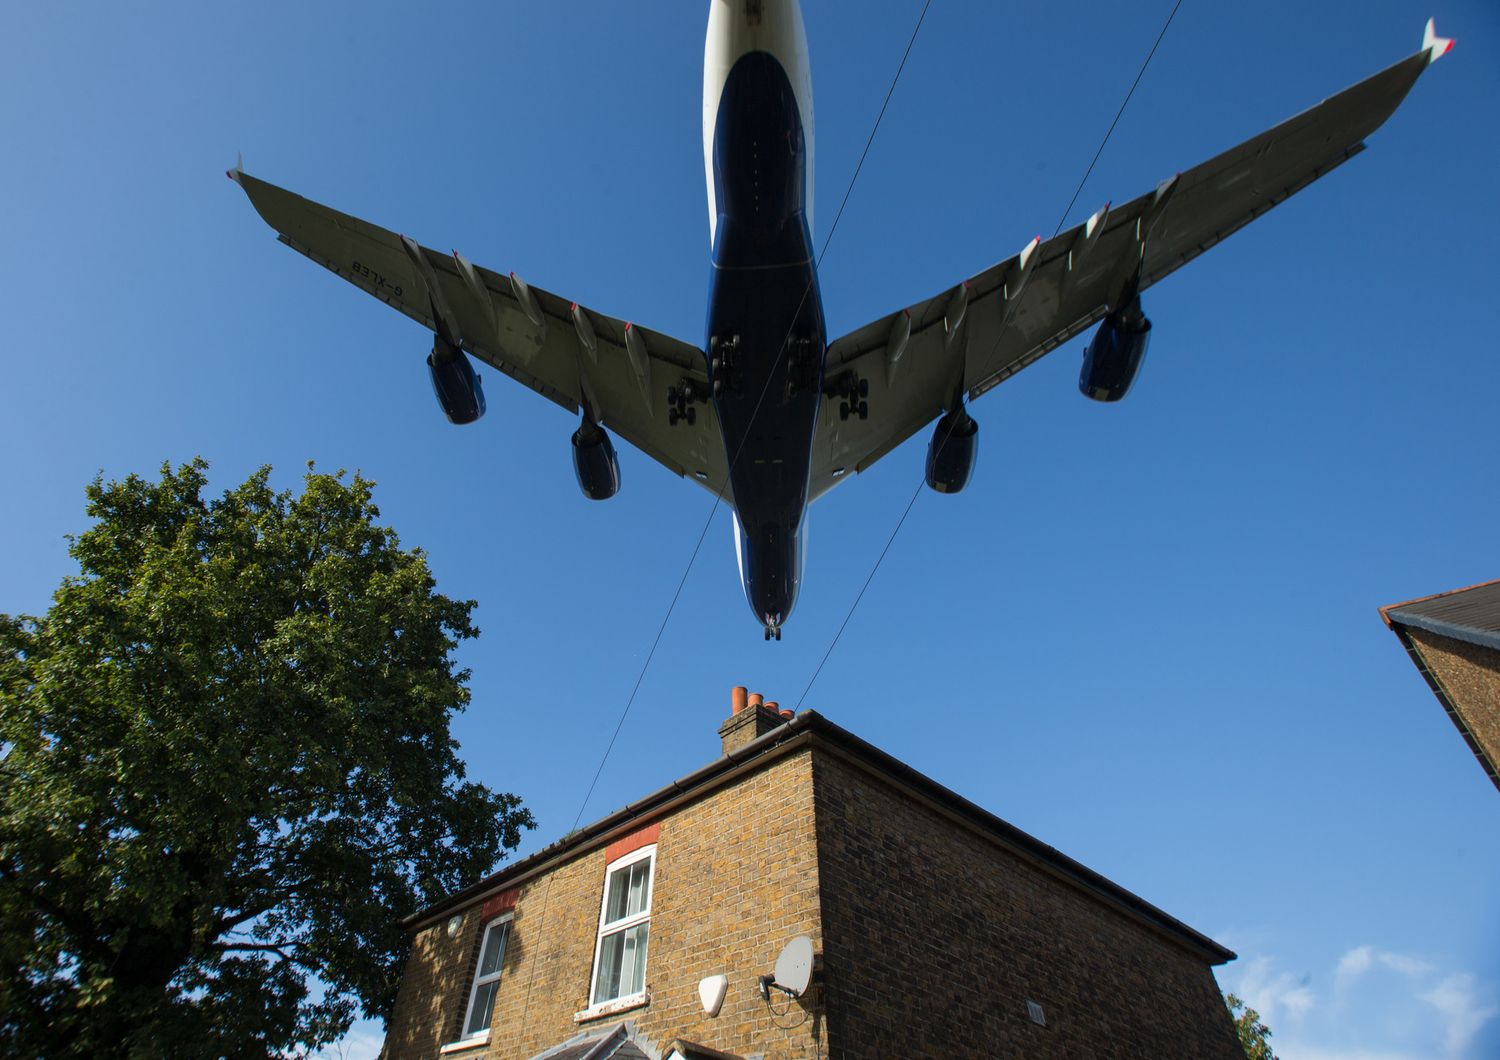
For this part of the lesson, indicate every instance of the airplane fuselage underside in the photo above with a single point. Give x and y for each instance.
(766, 336)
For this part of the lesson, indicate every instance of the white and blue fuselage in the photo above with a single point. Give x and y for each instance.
(765, 335)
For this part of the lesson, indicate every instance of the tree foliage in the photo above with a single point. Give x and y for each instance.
(1255, 1036)
(227, 773)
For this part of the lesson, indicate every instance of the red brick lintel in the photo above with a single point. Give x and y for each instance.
(503, 902)
(632, 841)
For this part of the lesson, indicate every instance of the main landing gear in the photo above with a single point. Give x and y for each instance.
(680, 399)
(723, 358)
(802, 364)
(852, 391)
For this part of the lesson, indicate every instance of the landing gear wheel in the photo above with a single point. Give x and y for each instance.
(692, 416)
(767, 632)
(672, 417)
(864, 410)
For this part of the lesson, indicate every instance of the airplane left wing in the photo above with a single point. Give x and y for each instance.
(912, 366)
(571, 355)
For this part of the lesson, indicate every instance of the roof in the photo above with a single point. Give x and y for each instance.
(1471, 614)
(617, 1043)
(682, 1049)
(810, 728)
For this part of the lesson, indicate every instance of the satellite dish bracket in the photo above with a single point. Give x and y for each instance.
(769, 983)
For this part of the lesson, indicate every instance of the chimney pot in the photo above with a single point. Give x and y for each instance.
(754, 719)
(738, 697)
(771, 704)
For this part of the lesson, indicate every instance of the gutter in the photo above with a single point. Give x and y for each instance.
(809, 728)
(598, 833)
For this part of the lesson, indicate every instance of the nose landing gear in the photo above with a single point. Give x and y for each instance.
(773, 628)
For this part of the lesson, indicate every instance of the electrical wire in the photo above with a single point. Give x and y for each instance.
(1003, 323)
(734, 461)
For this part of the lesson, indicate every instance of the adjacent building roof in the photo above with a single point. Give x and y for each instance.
(811, 728)
(1471, 614)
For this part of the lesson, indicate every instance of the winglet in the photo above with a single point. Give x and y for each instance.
(239, 167)
(1436, 47)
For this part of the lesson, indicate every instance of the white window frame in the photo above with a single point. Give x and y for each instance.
(599, 1006)
(466, 1039)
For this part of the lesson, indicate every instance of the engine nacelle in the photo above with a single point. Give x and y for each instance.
(952, 451)
(1115, 353)
(455, 382)
(595, 463)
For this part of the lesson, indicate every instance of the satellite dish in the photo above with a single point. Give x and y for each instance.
(794, 966)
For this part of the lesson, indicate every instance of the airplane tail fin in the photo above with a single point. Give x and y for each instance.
(1435, 46)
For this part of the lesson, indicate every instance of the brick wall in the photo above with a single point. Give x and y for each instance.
(937, 938)
(932, 937)
(736, 876)
(1471, 675)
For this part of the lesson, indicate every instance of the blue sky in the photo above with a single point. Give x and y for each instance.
(1147, 633)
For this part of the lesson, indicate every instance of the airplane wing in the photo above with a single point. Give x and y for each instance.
(913, 363)
(556, 347)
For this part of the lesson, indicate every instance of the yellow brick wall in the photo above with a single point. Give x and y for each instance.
(931, 940)
(736, 876)
(937, 938)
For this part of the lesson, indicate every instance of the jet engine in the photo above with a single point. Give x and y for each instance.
(594, 462)
(455, 382)
(952, 451)
(1115, 353)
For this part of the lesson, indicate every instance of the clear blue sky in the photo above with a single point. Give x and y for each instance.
(1147, 633)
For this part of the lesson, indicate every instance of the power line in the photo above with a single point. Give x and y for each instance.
(734, 461)
(1004, 321)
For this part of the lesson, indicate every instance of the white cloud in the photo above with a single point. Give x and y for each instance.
(1464, 1011)
(1353, 964)
(1383, 1006)
(1273, 993)
(1361, 959)
(1295, 1051)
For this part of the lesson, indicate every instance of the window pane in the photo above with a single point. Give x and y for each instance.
(494, 949)
(607, 978)
(622, 964)
(633, 969)
(640, 876)
(619, 885)
(484, 1003)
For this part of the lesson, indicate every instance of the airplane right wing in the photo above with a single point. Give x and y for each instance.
(571, 355)
(909, 367)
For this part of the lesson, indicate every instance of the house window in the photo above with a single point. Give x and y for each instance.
(624, 925)
(487, 978)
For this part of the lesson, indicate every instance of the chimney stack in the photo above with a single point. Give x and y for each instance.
(750, 716)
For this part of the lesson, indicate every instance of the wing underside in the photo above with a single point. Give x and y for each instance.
(973, 337)
(570, 355)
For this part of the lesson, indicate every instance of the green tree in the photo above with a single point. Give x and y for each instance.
(1255, 1036)
(227, 773)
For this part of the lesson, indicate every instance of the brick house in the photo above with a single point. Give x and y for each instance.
(1454, 640)
(938, 929)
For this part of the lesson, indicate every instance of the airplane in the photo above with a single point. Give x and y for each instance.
(768, 415)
